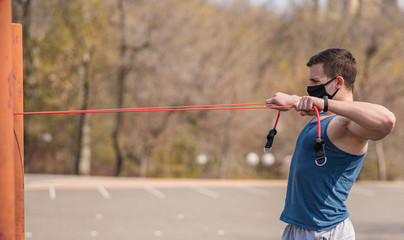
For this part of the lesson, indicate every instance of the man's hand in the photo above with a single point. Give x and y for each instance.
(306, 103)
(282, 99)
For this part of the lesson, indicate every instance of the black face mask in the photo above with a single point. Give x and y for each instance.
(319, 90)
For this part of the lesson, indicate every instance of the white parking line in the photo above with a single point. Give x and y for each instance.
(104, 192)
(363, 191)
(400, 190)
(94, 234)
(206, 192)
(158, 233)
(154, 192)
(52, 193)
(254, 190)
(221, 232)
(180, 216)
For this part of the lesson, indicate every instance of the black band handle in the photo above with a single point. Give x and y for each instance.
(270, 140)
(319, 147)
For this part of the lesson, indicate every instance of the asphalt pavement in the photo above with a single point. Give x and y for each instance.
(107, 208)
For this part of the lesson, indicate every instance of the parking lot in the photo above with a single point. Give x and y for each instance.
(70, 207)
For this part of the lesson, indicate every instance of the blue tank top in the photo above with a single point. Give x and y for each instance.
(315, 197)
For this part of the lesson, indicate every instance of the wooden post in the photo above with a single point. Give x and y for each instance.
(16, 44)
(7, 182)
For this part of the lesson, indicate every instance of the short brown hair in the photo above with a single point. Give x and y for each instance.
(337, 62)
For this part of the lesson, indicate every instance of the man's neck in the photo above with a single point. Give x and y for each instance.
(344, 95)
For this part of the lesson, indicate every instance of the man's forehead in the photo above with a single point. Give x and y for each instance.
(317, 71)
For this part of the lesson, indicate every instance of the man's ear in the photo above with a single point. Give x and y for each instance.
(340, 82)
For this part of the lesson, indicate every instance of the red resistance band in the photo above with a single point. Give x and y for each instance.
(163, 109)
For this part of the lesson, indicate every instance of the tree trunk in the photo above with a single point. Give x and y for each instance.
(85, 158)
(381, 160)
(83, 118)
(116, 141)
(225, 161)
(122, 72)
(143, 165)
(127, 58)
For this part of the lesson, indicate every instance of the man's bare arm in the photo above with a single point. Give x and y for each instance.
(366, 120)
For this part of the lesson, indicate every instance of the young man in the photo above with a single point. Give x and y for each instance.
(316, 192)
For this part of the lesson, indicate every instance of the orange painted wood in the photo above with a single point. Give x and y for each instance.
(18, 106)
(7, 181)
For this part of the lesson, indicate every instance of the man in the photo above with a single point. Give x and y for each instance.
(316, 192)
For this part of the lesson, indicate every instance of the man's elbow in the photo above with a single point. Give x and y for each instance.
(388, 124)
(385, 127)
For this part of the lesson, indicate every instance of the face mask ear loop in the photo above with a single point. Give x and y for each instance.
(319, 143)
(331, 96)
(271, 135)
